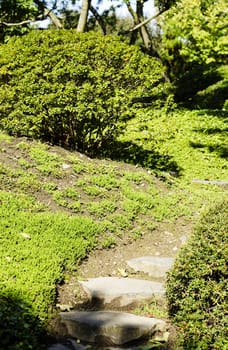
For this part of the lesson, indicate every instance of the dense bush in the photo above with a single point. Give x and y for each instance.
(197, 285)
(72, 89)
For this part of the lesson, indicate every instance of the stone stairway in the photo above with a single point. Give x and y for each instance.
(107, 325)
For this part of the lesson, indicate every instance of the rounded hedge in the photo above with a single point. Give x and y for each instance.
(197, 285)
(70, 88)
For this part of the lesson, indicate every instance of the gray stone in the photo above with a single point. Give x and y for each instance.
(121, 291)
(155, 266)
(212, 182)
(58, 347)
(111, 327)
(72, 345)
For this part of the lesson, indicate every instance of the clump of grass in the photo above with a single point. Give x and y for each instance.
(46, 162)
(154, 308)
(102, 208)
(4, 137)
(28, 182)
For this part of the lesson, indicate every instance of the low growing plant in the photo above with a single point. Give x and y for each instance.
(36, 247)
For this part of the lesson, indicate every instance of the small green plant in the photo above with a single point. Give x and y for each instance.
(155, 308)
(141, 197)
(5, 137)
(23, 146)
(93, 190)
(50, 187)
(28, 182)
(108, 242)
(75, 206)
(102, 208)
(79, 168)
(131, 208)
(24, 163)
(46, 162)
(135, 177)
(106, 181)
(70, 192)
(120, 220)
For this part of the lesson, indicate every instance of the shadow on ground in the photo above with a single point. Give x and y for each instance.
(221, 148)
(129, 152)
(19, 328)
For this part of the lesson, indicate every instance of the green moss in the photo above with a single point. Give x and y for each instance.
(41, 246)
(46, 162)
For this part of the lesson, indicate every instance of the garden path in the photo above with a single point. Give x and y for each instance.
(106, 281)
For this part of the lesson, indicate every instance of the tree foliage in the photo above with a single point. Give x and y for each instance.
(196, 31)
(194, 42)
(72, 89)
(14, 11)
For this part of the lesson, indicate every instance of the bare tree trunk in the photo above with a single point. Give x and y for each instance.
(138, 18)
(83, 16)
(133, 14)
(49, 13)
(143, 29)
(99, 19)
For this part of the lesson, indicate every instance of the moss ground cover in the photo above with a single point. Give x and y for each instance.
(36, 246)
(195, 140)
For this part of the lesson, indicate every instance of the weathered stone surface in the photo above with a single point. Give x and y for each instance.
(72, 345)
(110, 327)
(121, 291)
(58, 347)
(155, 266)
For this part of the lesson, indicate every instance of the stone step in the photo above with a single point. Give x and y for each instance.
(112, 327)
(155, 266)
(119, 292)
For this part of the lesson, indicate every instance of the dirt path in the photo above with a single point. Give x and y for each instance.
(165, 241)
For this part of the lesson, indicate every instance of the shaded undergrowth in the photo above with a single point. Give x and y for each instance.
(133, 153)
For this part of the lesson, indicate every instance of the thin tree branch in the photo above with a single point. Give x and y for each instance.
(27, 21)
(141, 24)
(131, 11)
(98, 18)
(46, 13)
(53, 18)
(49, 13)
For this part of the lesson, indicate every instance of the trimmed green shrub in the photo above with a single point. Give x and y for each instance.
(72, 89)
(197, 285)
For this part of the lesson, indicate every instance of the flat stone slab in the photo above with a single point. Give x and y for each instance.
(121, 291)
(111, 327)
(212, 182)
(58, 347)
(155, 266)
